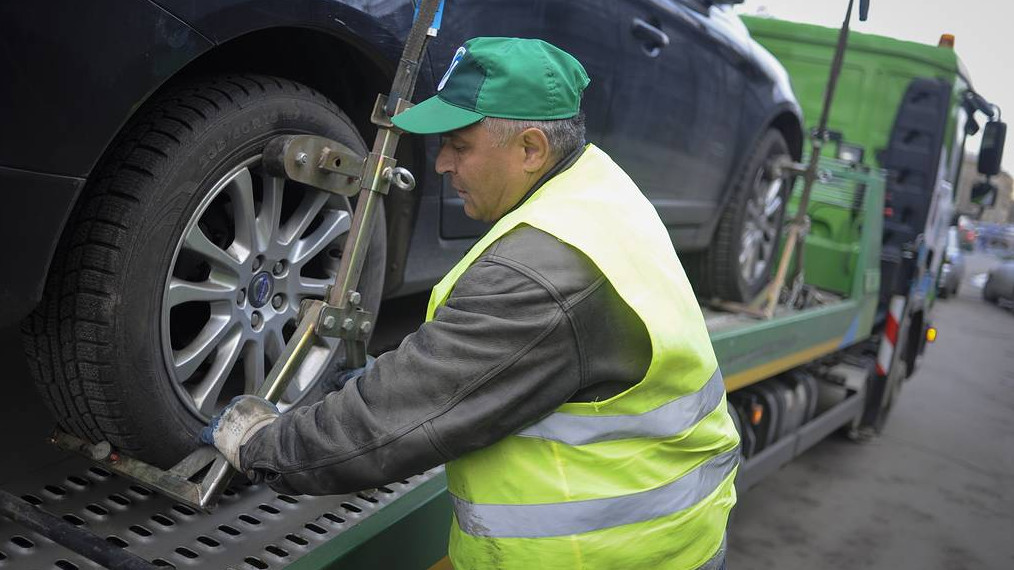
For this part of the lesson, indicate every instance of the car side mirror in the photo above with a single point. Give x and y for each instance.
(984, 194)
(991, 151)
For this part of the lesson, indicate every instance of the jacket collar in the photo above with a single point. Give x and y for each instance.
(564, 163)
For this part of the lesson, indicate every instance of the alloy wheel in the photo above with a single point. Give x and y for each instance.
(255, 247)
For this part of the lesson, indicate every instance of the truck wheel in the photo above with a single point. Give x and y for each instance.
(881, 397)
(739, 262)
(178, 279)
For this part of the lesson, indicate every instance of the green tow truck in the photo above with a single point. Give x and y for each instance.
(831, 354)
(849, 330)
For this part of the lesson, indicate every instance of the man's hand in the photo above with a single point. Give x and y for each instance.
(338, 381)
(236, 424)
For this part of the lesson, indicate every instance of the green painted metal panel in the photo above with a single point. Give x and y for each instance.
(875, 73)
(411, 533)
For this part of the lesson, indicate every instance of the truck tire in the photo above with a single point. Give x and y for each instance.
(178, 278)
(881, 396)
(739, 262)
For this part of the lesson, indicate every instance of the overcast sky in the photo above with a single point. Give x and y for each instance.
(984, 31)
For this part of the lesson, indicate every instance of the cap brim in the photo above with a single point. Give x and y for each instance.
(435, 115)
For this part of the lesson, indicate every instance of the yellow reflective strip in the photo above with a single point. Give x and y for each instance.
(769, 369)
(538, 520)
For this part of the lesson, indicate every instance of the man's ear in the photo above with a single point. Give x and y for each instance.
(536, 147)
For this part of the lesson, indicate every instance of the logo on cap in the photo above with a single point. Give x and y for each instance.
(454, 63)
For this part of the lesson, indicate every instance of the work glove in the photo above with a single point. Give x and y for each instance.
(338, 381)
(231, 428)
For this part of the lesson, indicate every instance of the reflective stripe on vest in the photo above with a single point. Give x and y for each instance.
(576, 517)
(664, 421)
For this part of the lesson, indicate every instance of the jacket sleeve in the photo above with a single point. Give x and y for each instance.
(499, 355)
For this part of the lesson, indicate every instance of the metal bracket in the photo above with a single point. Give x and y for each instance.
(315, 161)
(378, 171)
(197, 480)
(350, 323)
(379, 115)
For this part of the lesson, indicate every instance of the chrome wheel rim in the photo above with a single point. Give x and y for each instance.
(761, 226)
(255, 247)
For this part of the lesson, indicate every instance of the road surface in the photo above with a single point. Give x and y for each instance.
(935, 491)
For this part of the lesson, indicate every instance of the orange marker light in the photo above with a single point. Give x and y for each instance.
(931, 334)
(756, 414)
(946, 41)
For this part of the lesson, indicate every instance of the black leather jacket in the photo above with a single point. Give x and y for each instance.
(532, 324)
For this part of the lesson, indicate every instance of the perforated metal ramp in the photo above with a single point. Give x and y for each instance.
(253, 527)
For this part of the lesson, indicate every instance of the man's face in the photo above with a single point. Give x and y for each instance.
(490, 179)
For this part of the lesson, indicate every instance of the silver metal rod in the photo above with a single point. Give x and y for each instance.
(354, 257)
(303, 339)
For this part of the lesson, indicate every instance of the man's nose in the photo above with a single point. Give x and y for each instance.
(443, 164)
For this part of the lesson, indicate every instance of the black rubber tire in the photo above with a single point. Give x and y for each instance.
(992, 299)
(716, 271)
(93, 344)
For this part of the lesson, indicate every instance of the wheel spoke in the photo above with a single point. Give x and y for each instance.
(253, 366)
(207, 393)
(310, 287)
(773, 200)
(219, 259)
(187, 360)
(753, 209)
(335, 224)
(274, 344)
(240, 189)
(182, 291)
(303, 216)
(270, 214)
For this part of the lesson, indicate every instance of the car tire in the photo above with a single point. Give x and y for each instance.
(987, 295)
(740, 260)
(178, 278)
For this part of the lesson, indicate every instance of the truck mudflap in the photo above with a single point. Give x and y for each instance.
(889, 341)
(252, 528)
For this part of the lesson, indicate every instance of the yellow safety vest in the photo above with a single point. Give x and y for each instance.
(642, 479)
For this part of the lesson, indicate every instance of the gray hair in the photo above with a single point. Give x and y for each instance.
(565, 135)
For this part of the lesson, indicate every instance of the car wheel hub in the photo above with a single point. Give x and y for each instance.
(260, 288)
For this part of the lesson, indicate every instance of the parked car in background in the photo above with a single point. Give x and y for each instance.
(161, 268)
(1000, 283)
(953, 269)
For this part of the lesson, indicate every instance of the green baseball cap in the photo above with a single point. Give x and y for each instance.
(510, 78)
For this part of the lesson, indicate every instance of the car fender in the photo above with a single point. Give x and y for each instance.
(96, 82)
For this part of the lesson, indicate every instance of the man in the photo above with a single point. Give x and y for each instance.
(564, 373)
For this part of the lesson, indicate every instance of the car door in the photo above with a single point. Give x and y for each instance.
(674, 112)
(584, 28)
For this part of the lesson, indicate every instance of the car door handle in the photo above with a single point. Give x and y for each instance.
(653, 38)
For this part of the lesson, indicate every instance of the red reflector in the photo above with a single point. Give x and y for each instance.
(889, 212)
